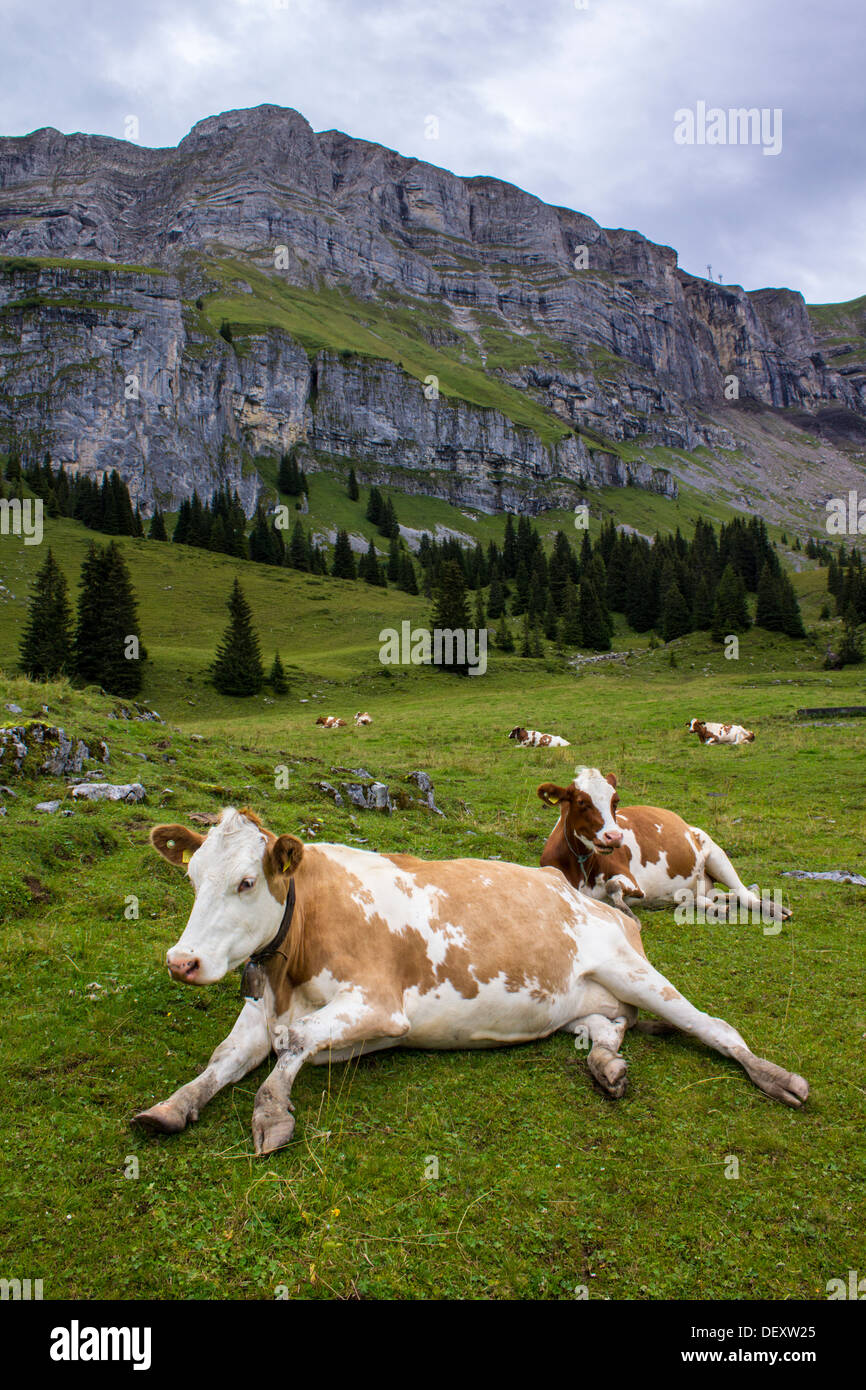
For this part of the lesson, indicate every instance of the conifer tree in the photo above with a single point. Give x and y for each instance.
(343, 566)
(277, 678)
(46, 645)
(299, 556)
(375, 506)
(768, 613)
(107, 648)
(730, 610)
(676, 619)
(352, 489)
(237, 667)
(594, 624)
(157, 531)
(504, 640)
(495, 598)
(571, 630)
(407, 581)
(450, 612)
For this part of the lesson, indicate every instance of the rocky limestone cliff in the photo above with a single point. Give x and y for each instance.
(120, 365)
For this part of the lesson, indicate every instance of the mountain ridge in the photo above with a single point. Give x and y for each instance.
(552, 376)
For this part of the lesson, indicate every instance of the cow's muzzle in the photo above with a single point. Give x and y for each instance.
(183, 968)
(608, 842)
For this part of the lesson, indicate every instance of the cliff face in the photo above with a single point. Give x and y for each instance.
(612, 349)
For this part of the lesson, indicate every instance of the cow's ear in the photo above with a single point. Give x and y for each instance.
(551, 794)
(175, 843)
(611, 777)
(284, 855)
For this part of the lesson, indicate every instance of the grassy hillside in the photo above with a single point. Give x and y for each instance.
(544, 1185)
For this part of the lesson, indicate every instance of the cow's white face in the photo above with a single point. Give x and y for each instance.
(603, 801)
(235, 913)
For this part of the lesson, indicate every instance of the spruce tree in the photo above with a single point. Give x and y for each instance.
(299, 555)
(495, 598)
(676, 619)
(768, 613)
(792, 618)
(46, 645)
(157, 531)
(730, 610)
(407, 581)
(571, 630)
(504, 640)
(107, 648)
(702, 611)
(343, 566)
(353, 490)
(237, 667)
(450, 612)
(594, 626)
(375, 506)
(277, 678)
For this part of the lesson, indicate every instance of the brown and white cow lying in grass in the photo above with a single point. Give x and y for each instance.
(720, 733)
(349, 952)
(531, 738)
(330, 721)
(640, 855)
(364, 718)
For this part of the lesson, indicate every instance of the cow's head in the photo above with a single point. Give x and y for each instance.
(588, 810)
(697, 726)
(518, 733)
(240, 873)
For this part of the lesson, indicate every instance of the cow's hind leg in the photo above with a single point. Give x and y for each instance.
(347, 1021)
(246, 1046)
(720, 869)
(633, 980)
(609, 1069)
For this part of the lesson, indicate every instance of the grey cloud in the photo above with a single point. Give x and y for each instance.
(575, 105)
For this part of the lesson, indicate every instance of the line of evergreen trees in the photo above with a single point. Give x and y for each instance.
(105, 506)
(103, 646)
(670, 585)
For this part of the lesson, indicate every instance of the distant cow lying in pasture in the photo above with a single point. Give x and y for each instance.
(349, 952)
(330, 721)
(640, 855)
(720, 733)
(363, 718)
(531, 738)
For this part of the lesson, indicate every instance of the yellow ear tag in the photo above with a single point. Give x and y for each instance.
(185, 857)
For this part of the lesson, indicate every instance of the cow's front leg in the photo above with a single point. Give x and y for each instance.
(617, 888)
(350, 1019)
(246, 1046)
(609, 1069)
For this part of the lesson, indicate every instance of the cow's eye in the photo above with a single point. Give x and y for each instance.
(245, 884)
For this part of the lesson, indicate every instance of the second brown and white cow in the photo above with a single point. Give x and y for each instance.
(638, 855)
(330, 721)
(363, 718)
(720, 733)
(349, 952)
(531, 738)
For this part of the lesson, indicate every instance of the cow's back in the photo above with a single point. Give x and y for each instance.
(476, 952)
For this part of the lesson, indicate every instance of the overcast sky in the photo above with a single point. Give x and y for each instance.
(574, 100)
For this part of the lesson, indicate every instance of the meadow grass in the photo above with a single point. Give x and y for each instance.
(544, 1184)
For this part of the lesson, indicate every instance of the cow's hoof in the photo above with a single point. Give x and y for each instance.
(774, 1081)
(270, 1134)
(611, 1074)
(160, 1119)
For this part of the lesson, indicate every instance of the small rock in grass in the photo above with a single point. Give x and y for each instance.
(48, 806)
(109, 791)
